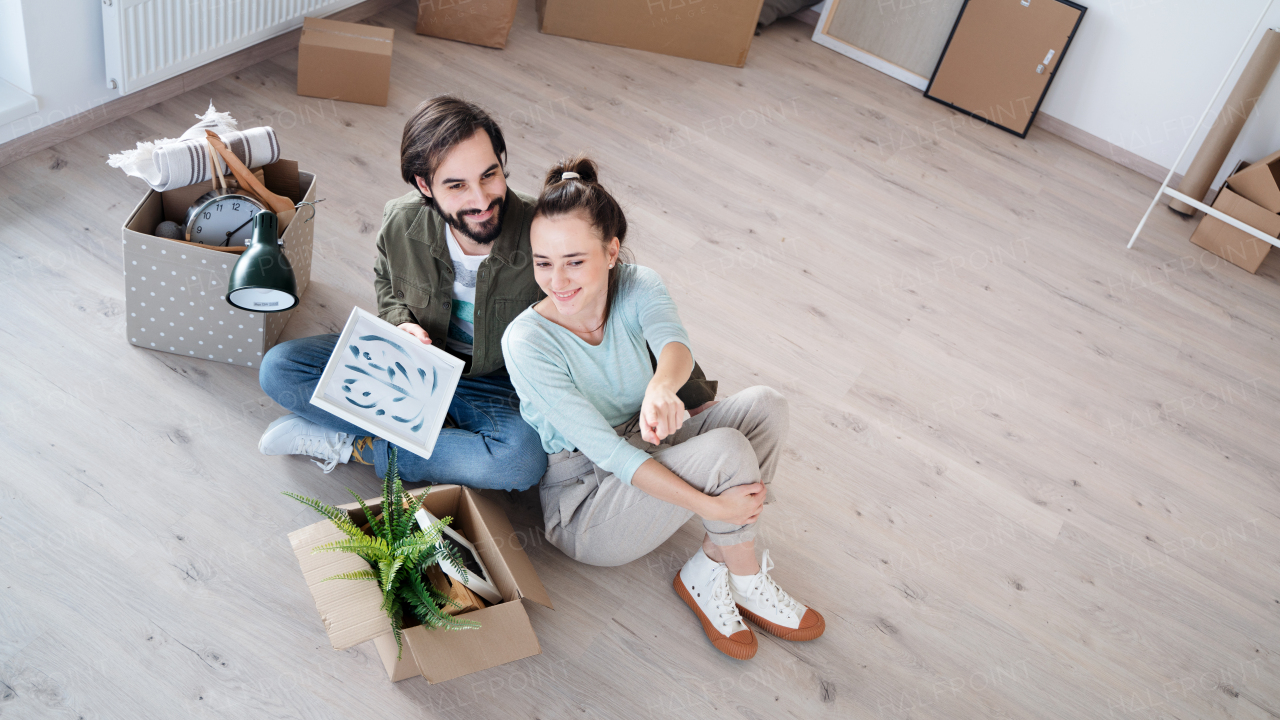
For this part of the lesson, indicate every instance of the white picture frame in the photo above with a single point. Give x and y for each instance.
(388, 382)
(907, 32)
(478, 579)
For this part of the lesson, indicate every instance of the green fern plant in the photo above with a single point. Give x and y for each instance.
(398, 552)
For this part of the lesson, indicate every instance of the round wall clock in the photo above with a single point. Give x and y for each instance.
(222, 218)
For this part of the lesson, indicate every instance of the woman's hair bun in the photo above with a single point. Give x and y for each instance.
(584, 166)
(582, 194)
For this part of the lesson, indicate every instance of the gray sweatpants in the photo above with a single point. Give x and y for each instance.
(597, 519)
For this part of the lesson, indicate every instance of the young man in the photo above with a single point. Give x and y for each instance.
(453, 269)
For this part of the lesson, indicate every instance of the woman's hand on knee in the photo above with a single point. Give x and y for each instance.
(739, 505)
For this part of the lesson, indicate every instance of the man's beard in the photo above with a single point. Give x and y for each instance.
(486, 233)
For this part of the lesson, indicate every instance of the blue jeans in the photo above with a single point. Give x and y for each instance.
(492, 447)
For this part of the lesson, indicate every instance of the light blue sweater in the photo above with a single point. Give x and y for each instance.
(574, 393)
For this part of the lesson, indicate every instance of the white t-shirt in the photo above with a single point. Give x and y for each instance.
(462, 327)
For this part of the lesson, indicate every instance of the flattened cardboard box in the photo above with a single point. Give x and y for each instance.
(345, 61)
(352, 610)
(175, 294)
(716, 31)
(479, 22)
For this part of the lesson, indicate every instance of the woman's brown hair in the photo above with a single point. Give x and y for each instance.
(585, 195)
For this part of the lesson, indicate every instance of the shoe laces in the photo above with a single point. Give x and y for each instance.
(317, 446)
(763, 586)
(722, 601)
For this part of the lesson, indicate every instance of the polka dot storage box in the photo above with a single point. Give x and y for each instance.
(175, 294)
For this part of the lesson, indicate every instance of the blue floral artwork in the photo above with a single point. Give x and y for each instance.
(384, 381)
(379, 367)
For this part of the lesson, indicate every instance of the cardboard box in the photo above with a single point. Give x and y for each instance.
(175, 294)
(1230, 243)
(1259, 183)
(479, 22)
(716, 31)
(352, 609)
(344, 61)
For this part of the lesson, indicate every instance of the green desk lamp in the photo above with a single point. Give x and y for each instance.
(262, 279)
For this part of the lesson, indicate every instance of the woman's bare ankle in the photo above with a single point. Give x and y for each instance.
(712, 550)
(741, 558)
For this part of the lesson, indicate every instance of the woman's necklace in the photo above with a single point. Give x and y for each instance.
(593, 337)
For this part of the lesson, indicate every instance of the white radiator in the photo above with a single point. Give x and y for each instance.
(148, 41)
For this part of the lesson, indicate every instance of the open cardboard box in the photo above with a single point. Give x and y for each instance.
(1231, 244)
(352, 609)
(1259, 183)
(175, 293)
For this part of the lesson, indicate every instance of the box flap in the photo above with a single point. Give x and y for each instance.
(1260, 183)
(507, 543)
(442, 500)
(1247, 212)
(319, 32)
(350, 609)
(144, 218)
(504, 635)
(282, 177)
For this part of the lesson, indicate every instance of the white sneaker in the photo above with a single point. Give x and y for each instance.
(703, 584)
(296, 435)
(761, 601)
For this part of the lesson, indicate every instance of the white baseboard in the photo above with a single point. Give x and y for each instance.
(1098, 146)
(15, 104)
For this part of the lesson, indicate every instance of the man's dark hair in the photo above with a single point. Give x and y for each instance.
(437, 126)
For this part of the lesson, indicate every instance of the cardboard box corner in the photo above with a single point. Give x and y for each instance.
(1232, 244)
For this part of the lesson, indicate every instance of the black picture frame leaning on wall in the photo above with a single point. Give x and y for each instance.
(1056, 62)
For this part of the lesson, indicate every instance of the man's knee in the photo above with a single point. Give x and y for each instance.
(281, 376)
(521, 460)
(272, 369)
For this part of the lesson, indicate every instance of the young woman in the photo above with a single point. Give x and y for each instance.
(627, 464)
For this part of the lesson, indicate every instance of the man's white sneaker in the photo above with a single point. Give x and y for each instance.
(761, 601)
(295, 435)
(703, 584)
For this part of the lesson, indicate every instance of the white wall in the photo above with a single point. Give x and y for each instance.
(1140, 72)
(64, 51)
(13, 46)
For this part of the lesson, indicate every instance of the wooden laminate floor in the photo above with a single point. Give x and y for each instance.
(1031, 474)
